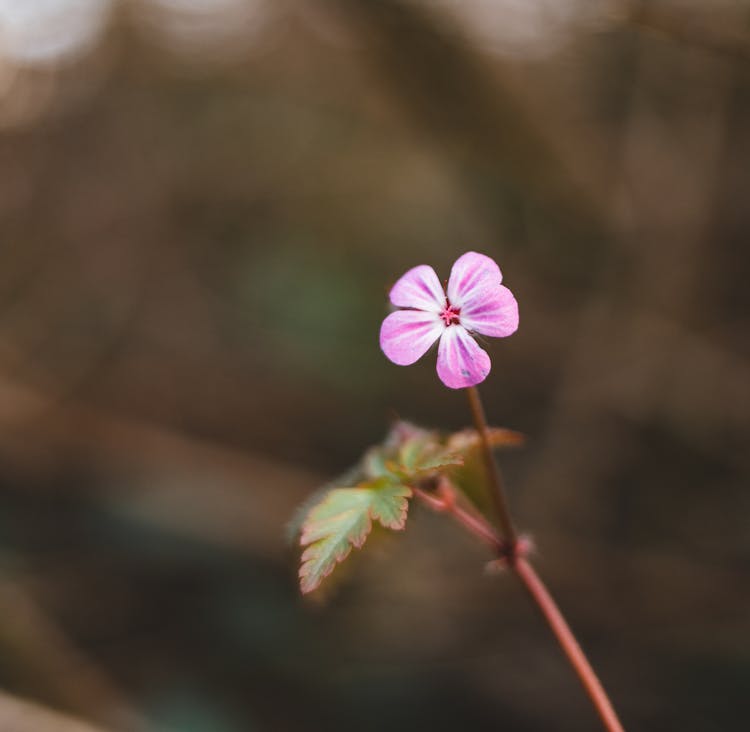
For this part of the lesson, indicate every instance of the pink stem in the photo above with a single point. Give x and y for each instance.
(475, 525)
(531, 581)
(570, 646)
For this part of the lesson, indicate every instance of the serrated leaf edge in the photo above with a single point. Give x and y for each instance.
(352, 542)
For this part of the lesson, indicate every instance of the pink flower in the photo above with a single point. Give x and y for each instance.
(474, 302)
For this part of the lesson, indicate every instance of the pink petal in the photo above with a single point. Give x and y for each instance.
(419, 288)
(406, 335)
(472, 276)
(494, 314)
(461, 362)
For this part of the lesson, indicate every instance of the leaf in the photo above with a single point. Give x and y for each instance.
(471, 477)
(339, 518)
(416, 449)
(351, 477)
(409, 452)
(436, 462)
(375, 464)
(423, 453)
(342, 520)
(469, 439)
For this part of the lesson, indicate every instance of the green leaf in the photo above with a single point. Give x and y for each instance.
(342, 520)
(351, 477)
(421, 453)
(336, 519)
(409, 453)
(375, 464)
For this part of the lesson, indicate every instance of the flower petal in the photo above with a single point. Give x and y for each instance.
(494, 314)
(472, 276)
(461, 362)
(419, 288)
(406, 335)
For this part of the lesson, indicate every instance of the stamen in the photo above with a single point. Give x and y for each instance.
(450, 314)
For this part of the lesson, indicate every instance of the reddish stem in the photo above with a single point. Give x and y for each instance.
(444, 501)
(547, 606)
(474, 524)
(494, 478)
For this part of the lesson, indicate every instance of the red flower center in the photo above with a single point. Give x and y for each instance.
(450, 314)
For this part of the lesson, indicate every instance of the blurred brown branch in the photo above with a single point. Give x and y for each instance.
(44, 660)
(18, 715)
(226, 496)
(721, 33)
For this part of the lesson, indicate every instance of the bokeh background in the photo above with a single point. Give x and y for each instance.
(202, 205)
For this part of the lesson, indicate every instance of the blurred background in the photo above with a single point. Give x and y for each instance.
(202, 206)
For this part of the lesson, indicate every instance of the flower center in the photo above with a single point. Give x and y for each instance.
(450, 314)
